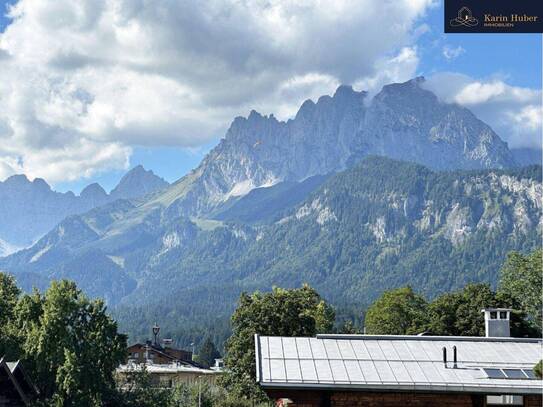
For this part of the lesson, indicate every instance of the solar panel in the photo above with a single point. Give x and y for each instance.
(494, 373)
(529, 373)
(514, 374)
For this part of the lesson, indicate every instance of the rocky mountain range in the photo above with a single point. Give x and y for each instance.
(313, 199)
(404, 121)
(29, 209)
(380, 224)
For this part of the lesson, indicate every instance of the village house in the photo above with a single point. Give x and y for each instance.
(404, 370)
(168, 375)
(157, 353)
(167, 366)
(16, 388)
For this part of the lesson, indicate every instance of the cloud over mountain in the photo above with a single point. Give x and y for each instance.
(83, 82)
(514, 112)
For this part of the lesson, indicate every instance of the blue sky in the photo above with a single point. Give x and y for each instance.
(172, 143)
(514, 56)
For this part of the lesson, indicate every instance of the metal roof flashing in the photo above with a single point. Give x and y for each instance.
(257, 354)
(429, 338)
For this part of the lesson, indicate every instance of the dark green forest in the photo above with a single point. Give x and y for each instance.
(380, 225)
(71, 347)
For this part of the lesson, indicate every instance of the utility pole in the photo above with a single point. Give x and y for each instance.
(199, 391)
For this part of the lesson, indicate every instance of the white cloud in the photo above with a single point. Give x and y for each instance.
(451, 53)
(397, 68)
(80, 159)
(476, 92)
(81, 77)
(514, 112)
(529, 117)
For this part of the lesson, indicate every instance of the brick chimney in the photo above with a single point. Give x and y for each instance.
(497, 322)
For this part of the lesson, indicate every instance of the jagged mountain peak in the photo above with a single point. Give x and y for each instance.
(28, 209)
(17, 180)
(306, 110)
(404, 121)
(347, 92)
(41, 183)
(21, 181)
(137, 182)
(412, 89)
(93, 190)
(254, 116)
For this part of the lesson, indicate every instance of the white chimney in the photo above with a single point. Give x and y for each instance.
(497, 322)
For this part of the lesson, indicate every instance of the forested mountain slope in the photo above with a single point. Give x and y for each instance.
(381, 224)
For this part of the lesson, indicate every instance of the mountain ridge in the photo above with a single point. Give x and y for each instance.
(452, 218)
(404, 121)
(29, 209)
(244, 219)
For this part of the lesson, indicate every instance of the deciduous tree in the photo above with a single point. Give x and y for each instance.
(459, 313)
(520, 278)
(397, 312)
(71, 345)
(282, 312)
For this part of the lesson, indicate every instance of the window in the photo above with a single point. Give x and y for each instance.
(503, 314)
(493, 315)
(505, 400)
(136, 354)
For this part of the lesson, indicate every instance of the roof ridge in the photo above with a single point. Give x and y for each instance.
(429, 338)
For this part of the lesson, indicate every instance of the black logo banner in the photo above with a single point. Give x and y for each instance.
(493, 16)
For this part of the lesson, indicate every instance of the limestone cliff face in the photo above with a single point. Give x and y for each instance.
(404, 121)
(454, 207)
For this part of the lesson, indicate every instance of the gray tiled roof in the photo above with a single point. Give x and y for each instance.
(395, 362)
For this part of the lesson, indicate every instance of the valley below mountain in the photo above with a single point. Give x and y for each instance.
(379, 225)
(351, 196)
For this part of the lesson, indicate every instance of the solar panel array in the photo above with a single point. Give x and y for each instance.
(393, 362)
(510, 373)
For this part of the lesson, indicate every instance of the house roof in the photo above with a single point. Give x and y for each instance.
(165, 368)
(161, 351)
(388, 362)
(17, 379)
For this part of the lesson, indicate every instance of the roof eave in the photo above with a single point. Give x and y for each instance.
(405, 388)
